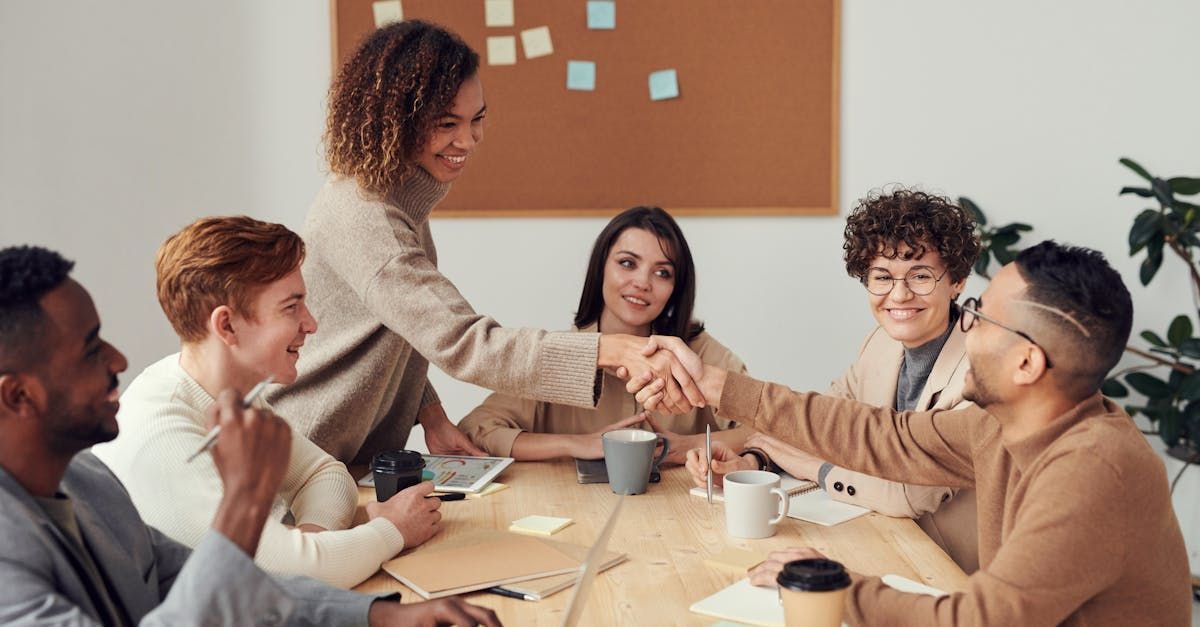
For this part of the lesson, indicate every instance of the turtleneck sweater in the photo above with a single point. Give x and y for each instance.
(385, 312)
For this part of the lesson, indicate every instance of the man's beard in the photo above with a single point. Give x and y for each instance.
(977, 391)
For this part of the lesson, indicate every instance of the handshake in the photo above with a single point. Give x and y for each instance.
(662, 372)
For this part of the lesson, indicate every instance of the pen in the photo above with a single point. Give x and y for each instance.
(255, 392)
(708, 455)
(452, 496)
(505, 592)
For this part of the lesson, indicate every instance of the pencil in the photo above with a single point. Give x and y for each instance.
(211, 438)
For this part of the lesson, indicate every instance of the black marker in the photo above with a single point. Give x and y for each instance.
(453, 496)
(505, 592)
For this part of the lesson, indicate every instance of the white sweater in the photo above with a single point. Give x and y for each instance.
(162, 422)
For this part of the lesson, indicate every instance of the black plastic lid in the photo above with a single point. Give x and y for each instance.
(397, 461)
(813, 575)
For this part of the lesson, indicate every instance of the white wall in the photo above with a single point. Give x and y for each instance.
(120, 122)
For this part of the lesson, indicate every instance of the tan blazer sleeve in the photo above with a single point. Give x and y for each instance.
(716, 354)
(495, 424)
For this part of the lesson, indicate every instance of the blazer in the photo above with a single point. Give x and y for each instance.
(947, 515)
(153, 579)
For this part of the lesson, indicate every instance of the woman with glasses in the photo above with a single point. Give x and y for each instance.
(913, 252)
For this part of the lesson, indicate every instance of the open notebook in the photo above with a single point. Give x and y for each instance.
(808, 502)
(751, 605)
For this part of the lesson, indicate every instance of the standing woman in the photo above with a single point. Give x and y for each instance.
(406, 112)
(640, 281)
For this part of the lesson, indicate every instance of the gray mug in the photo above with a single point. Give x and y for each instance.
(629, 458)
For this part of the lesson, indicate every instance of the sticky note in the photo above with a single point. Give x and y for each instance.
(581, 75)
(664, 85)
(498, 12)
(386, 12)
(537, 42)
(539, 525)
(492, 488)
(601, 14)
(502, 50)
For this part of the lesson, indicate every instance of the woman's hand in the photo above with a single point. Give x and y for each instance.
(724, 462)
(590, 445)
(632, 357)
(796, 462)
(765, 573)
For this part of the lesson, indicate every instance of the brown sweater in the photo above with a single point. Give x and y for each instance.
(1075, 522)
(495, 425)
(385, 313)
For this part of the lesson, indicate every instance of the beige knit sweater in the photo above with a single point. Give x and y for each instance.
(385, 313)
(1076, 525)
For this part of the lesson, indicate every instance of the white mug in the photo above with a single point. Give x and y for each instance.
(754, 503)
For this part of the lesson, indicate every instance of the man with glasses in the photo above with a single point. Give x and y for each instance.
(1076, 525)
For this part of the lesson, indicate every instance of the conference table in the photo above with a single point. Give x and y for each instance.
(666, 533)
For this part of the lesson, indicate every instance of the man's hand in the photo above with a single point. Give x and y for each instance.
(651, 391)
(251, 455)
(724, 462)
(416, 516)
(796, 462)
(442, 437)
(632, 356)
(765, 573)
(447, 611)
(590, 446)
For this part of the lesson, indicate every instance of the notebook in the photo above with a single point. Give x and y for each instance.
(751, 605)
(481, 561)
(538, 589)
(787, 483)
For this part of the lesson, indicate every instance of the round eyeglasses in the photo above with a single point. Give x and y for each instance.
(920, 282)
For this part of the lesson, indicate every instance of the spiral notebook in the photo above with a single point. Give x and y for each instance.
(808, 502)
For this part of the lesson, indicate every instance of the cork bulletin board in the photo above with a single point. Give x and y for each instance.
(754, 130)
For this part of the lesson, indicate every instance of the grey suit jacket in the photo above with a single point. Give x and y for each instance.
(154, 580)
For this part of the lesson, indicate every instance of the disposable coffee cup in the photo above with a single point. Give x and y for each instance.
(396, 471)
(813, 592)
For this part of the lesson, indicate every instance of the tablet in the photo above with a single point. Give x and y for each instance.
(457, 473)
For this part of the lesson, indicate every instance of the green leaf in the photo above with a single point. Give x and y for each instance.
(1148, 385)
(1150, 267)
(1144, 192)
(1012, 228)
(1113, 388)
(1189, 390)
(1152, 337)
(972, 210)
(1180, 330)
(1004, 240)
(1190, 347)
(1145, 226)
(1185, 185)
(1170, 427)
(981, 264)
(1162, 191)
(1133, 165)
(1004, 255)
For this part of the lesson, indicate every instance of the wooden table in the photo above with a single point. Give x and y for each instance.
(667, 533)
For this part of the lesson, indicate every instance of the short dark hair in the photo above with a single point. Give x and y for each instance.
(26, 274)
(1081, 284)
(676, 317)
(884, 220)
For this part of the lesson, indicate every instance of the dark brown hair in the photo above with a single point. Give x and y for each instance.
(387, 97)
(221, 261)
(676, 317)
(883, 221)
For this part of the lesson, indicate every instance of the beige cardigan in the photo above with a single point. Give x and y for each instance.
(1076, 525)
(385, 313)
(494, 425)
(947, 515)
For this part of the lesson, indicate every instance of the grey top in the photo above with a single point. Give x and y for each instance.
(918, 363)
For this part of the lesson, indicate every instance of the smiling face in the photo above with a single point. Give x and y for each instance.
(80, 386)
(456, 133)
(638, 281)
(910, 318)
(269, 342)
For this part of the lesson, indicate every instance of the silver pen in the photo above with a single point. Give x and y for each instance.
(252, 396)
(708, 455)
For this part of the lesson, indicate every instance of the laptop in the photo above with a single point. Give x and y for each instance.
(591, 566)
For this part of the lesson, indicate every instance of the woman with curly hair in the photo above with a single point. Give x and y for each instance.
(913, 252)
(406, 112)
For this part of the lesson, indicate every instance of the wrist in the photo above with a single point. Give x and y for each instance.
(711, 385)
(608, 351)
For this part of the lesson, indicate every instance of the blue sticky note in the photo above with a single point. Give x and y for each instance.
(581, 75)
(664, 85)
(602, 14)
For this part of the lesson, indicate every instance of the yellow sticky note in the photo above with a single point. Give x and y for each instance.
(498, 13)
(386, 12)
(492, 488)
(502, 50)
(537, 42)
(539, 525)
